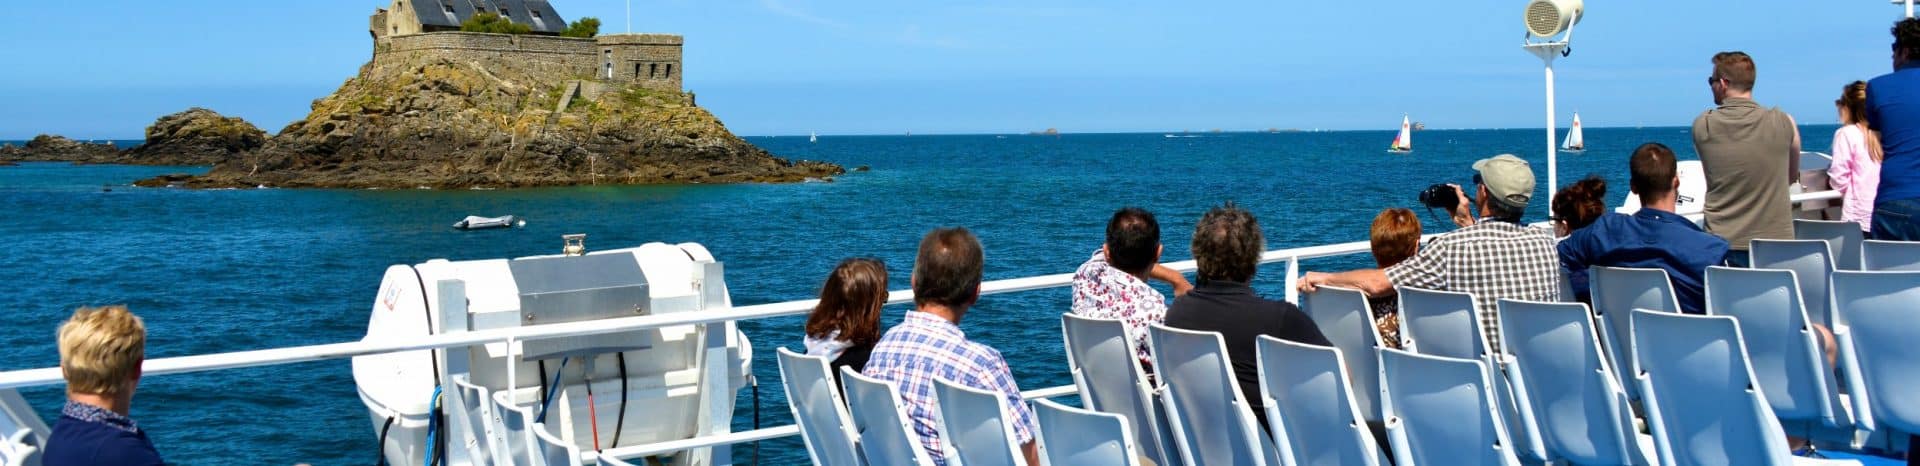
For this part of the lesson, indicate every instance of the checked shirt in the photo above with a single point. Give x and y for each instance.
(925, 346)
(1491, 260)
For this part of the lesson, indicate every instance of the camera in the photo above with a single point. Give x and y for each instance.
(1440, 196)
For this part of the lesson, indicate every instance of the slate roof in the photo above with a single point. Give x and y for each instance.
(436, 13)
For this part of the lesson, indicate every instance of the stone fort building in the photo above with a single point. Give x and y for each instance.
(431, 28)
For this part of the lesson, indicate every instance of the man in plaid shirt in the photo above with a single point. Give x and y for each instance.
(1493, 257)
(929, 342)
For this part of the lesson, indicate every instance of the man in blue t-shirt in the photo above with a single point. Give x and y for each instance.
(1893, 109)
(1654, 237)
(100, 354)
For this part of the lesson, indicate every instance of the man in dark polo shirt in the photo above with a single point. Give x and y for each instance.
(1653, 237)
(100, 353)
(1227, 245)
(1893, 109)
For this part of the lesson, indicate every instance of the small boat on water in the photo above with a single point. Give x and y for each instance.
(1576, 142)
(1403, 143)
(475, 222)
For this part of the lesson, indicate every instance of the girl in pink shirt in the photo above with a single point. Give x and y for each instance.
(1855, 171)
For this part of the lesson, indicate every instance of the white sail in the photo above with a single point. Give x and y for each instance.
(813, 137)
(1575, 141)
(1404, 141)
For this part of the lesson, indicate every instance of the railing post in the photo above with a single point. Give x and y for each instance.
(1293, 274)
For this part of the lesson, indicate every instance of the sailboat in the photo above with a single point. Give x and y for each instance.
(1403, 143)
(813, 137)
(1575, 143)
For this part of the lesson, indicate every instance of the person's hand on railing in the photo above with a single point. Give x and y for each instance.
(1311, 281)
(1172, 277)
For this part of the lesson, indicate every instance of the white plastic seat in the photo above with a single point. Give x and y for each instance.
(974, 425)
(1447, 323)
(880, 420)
(1843, 239)
(1880, 322)
(555, 451)
(1702, 402)
(516, 429)
(1440, 323)
(1811, 262)
(1562, 372)
(1890, 255)
(1440, 411)
(1617, 291)
(1309, 404)
(1079, 437)
(1347, 321)
(815, 401)
(1111, 381)
(1212, 423)
(477, 411)
(1794, 376)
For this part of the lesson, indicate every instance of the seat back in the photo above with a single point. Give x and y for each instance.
(516, 429)
(1079, 437)
(1843, 238)
(1701, 400)
(1890, 255)
(1878, 312)
(1440, 410)
(1344, 317)
(22, 433)
(1309, 404)
(880, 420)
(1617, 291)
(1441, 323)
(476, 403)
(1211, 421)
(1569, 382)
(1793, 375)
(815, 401)
(1111, 381)
(1812, 264)
(555, 451)
(974, 423)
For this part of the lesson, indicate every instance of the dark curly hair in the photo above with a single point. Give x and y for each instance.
(1579, 205)
(1906, 38)
(1227, 244)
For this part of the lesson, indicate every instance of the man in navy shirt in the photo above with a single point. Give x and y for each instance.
(100, 353)
(1654, 237)
(1893, 109)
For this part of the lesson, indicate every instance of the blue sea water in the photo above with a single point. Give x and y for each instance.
(232, 270)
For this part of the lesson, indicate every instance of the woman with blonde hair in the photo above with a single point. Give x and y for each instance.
(1855, 171)
(846, 323)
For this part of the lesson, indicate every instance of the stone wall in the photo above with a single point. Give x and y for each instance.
(561, 55)
(652, 60)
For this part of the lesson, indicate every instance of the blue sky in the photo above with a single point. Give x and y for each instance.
(107, 69)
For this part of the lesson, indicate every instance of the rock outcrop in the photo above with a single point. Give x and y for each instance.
(196, 137)
(50, 148)
(408, 122)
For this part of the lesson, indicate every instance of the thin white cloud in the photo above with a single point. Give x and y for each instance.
(782, 8)
(913, 35)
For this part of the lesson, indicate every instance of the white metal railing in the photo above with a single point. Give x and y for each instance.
(242, 359)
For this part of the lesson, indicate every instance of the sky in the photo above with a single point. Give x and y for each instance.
(781, 67)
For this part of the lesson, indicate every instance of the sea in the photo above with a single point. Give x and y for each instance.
(229, 270)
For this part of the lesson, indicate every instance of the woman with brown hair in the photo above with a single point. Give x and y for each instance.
(1395, 237)
(1579, 205)
(1855, 171)
(846, 323)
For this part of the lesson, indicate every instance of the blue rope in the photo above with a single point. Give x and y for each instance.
(551, 388)
(432, 422)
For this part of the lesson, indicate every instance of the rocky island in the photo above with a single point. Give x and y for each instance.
(520, 100)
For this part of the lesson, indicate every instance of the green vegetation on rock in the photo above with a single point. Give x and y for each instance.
(584, 27)
(493, 23)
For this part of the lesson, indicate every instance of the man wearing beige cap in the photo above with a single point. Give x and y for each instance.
(1492, 257)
